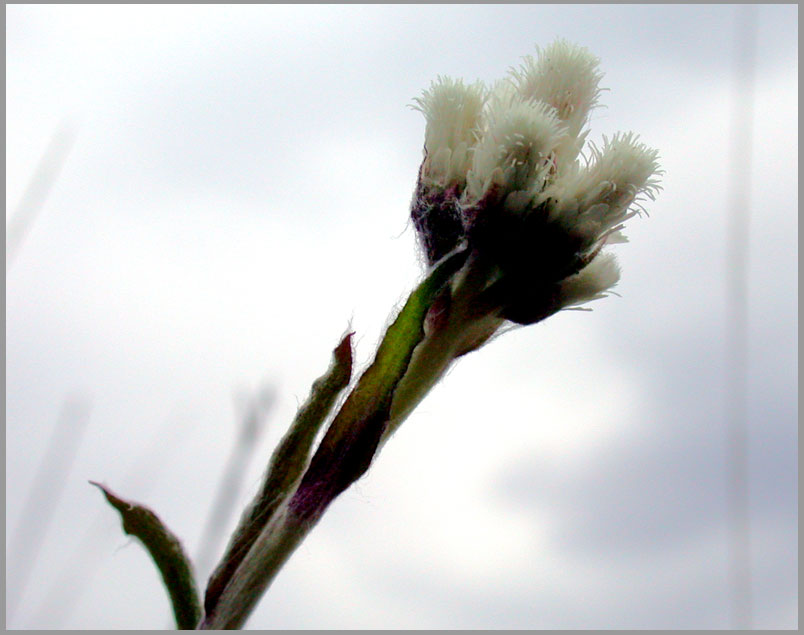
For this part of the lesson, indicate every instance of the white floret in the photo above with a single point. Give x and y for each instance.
(453, 111)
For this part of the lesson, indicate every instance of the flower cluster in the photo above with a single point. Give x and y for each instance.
(506, 176)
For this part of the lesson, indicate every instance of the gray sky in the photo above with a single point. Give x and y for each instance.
(236, 198)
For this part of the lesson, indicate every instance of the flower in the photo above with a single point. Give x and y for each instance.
(566, 77)
(516, 147)
(453, 112)
(505, 176)
(597, 199)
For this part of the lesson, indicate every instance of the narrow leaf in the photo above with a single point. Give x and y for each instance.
(167, 553)
(286, 467)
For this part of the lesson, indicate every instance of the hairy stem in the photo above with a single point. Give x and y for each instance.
(463, 326)
(269, 552)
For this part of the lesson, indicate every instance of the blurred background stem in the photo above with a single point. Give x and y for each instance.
(250, 429)
(737, 245)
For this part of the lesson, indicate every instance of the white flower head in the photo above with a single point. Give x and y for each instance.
(566, 77)
(600, 197)
(504, 175)
(516, 146)
(590, 283)
(453, 111)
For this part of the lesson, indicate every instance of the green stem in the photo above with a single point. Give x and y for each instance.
(269, 552)
(465, 328)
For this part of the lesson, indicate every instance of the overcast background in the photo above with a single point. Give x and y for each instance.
(235, 199)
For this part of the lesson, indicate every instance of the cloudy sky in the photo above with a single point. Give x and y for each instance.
(234, 198)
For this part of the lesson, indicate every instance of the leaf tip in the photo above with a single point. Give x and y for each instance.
(114, 500)
(343, 351)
